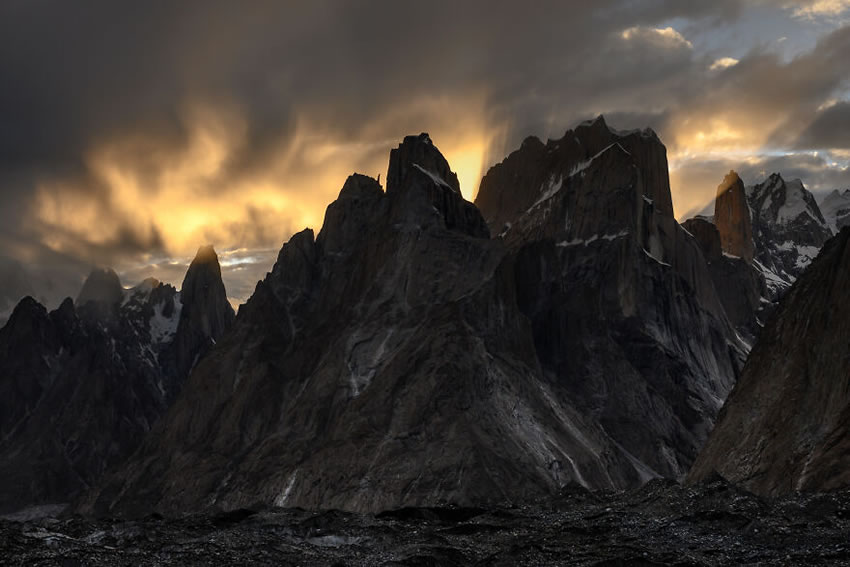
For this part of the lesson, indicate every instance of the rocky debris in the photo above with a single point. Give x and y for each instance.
(784, 427)
(626, 321)
(732, 218)
(711, 524)
(80, 386)
(788, 229)
(836, 209)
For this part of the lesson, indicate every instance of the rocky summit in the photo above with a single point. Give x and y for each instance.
(626, 321)
(80, 386)
(732, 218)
(836, 209)
(402, 357)
(784, 427)
(759, 241)
(788, 228)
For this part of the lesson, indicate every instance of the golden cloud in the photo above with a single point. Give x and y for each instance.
(152, 195)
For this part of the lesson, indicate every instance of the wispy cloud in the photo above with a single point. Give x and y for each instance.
(723, 63)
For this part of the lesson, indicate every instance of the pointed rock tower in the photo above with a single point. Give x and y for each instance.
(102, 286)
(732, 218)
(206, 312)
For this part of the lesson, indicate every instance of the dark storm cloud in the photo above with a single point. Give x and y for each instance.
(830, 129)
(76, 73)
(96, 91)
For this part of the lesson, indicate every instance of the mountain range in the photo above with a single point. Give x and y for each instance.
(420, 349)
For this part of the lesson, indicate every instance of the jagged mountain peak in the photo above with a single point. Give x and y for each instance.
(836, 209)
(420, 183)
(205, 255)
(346, 219)
(600, 125)
(418, 155)
(102, 286)
(732, 218)
(204, 270)
(730, 181)
(535, 172)
(206, 312)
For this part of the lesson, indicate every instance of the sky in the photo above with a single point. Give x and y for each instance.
(131, 133)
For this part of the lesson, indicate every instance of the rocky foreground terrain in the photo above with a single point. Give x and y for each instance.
(662, 523)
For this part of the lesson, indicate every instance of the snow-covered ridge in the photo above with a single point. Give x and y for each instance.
(791, 194)
(835, 209)
(139, 293)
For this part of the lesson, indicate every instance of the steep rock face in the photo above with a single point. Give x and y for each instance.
(739, 285)
(626, 320)
(707, 236)
(510, 188)
(423, 174)
(788, 229)
(28, 342)
(836, 209)
(732, 218)
(206, 312)
(82, 386)
(383, 363)
(785, 426)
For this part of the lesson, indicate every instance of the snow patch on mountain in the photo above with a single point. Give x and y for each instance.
(162, 327)
(795, 205)
(836, 209)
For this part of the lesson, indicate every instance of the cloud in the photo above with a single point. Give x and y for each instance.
(661, 37)
(810, 9)
(723, 63)
(829, 129)
(134, 133)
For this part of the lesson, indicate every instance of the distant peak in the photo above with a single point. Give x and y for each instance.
(206, 255)
(28, 305)
(731, 180)
(102, 285)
